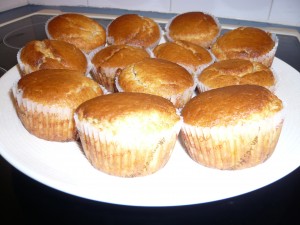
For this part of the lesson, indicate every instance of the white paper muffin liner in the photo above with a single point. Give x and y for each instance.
(105, 77)
(201, 87)
(178, 100)
(46, 27)
(127, 153)
(207, 45)
(202, 67)
(233, 147)
(47, 122)
(267, 59)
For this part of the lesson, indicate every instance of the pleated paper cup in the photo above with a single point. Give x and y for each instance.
(46, 122)
(128, 153)
(235, 146)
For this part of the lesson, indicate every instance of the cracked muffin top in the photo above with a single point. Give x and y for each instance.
(158, 77)
(77, 29)
(133, 29)
(191, 56)
(51, 54)
(236, 72)
(118, 56)
(249, 43)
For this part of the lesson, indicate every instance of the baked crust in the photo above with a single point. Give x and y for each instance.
(244, 43)
(186, 54)
(196, 27)
(118, 56)
(51, 54)
(133, 29)
(236, 72)
(155, 76)
(77, 29)
(58, 88)
(135, 110)
(231, 105)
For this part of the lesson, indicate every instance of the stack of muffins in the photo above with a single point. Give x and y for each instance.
(127, 92)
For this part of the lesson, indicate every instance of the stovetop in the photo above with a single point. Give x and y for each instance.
(277, 203)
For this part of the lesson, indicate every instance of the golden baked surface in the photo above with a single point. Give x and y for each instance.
(118, 56)
(52, 54)
(155, 76)
(183, 53)
(235, 72)
(134, 30)
(231, 105)
(59, 87)
(77, 29)
(122, 110)
(196, 27)
(243, 42)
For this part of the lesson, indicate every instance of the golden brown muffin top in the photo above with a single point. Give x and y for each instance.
(77, 29)
(184, 53)
(231, 105)
(133, 29)
(155, 76)
(236, 72)
(52, 54)
(58, 87)
(118, 56)
(128, 110)
(244, 43)
(196, 27)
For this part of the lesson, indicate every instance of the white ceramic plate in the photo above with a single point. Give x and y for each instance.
(63, 166)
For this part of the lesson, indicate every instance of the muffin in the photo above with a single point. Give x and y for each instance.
(192, 57)
(51, 54)
(236, 72)
(128, 134)
(133, 29)
(158, 77)
(232, 127)
(79, 30)
(45, 102)
(197, 27)
(249, 43)
(109, 61)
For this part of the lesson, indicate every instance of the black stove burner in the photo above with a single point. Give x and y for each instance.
(14, 36)
(18, 38)
(2, 71)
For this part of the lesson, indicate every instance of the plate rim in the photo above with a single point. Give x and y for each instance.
(135, 201)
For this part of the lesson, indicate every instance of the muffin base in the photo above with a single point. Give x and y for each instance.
(233, 147)
(126, 155)
(48, 123)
